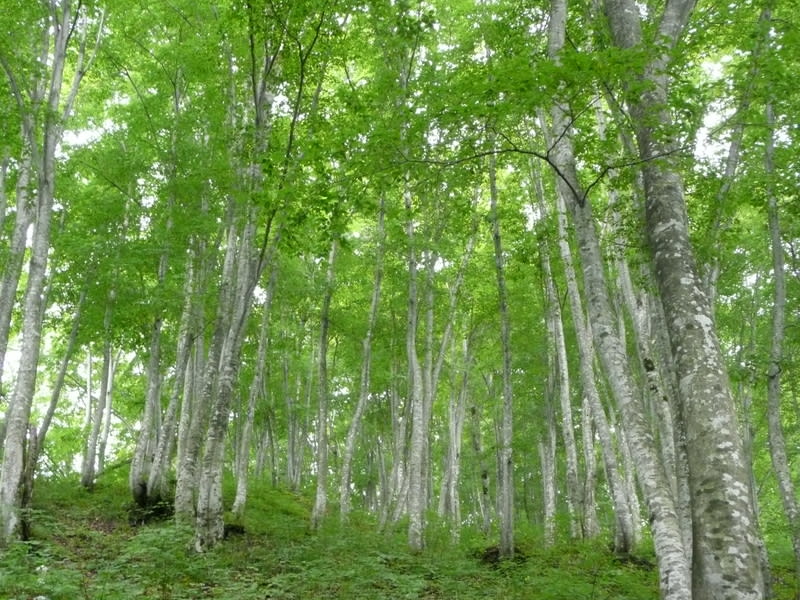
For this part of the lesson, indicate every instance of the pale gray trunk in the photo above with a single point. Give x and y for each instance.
(199, 409)
(675, 577)
(657, 393)
(15, 255)
(190, 423)
(157, 487)
(726, 558)
(449, 502)
(434, 359)
(744, 394)
(366, 364)
(37, 437)
(238, 284)
(559, 370)
(145, 445)
(321, 497)
(547, 457)
(89, 467)
(58, 29)
(591, 525)
(255, 393)
(292, 428)
(625, 530)
(506, 472)
(103, 444)
(416, 395)
(476, 435)
(777, 442)
(395, 502)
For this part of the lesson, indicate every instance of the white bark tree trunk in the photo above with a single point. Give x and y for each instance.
(449, 501)
(675, 576)
(157, 487)
(90, 461)
(726, 557)
(624, 531)
(777, 441)
(591, 525)
(506, 471)
(547, 457)
(559, 369)
(366, 365)
(41, 139)
(238, 284)
(416, 397)
(145, 444)
(255, 393)
(15, 256)
(321, 497)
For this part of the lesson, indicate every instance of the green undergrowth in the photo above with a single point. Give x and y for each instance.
(85, 547)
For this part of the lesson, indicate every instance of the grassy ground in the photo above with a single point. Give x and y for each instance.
(85, 548)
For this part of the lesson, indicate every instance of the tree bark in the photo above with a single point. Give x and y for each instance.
(449, 502)
(157, 487)
(238, 284)
(321, 497)
(624, 531)
(255, 393)
(366, 365)
(416, 397)
(777, 441)
(506, 472)
(547, 457)
(90, 462)
(726, 560)
(675, 577)
(58, 29)
(559, 369)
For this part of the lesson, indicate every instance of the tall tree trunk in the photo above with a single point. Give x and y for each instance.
(396, 498)
(106, 433)
(506, 473)
(591, 525)
(238, 284)
(625, 530)
(59, 30)
(366, 365)
(559, 369)
(449, 502)
(15, 253)
(255, 393)
(37, 437)
(667, 537)
(416, 398)
(204, 382)
(482, 483)
(547, 457)
(157, 487)
(726, 558)
(321, 497)
(148, 434)
(777, 442)
(89, 468)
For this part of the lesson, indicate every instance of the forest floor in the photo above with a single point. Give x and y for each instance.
(84, 547)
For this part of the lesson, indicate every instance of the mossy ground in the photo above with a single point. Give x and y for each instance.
(84, 547)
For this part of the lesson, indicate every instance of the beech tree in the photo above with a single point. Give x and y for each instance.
(43, 108)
